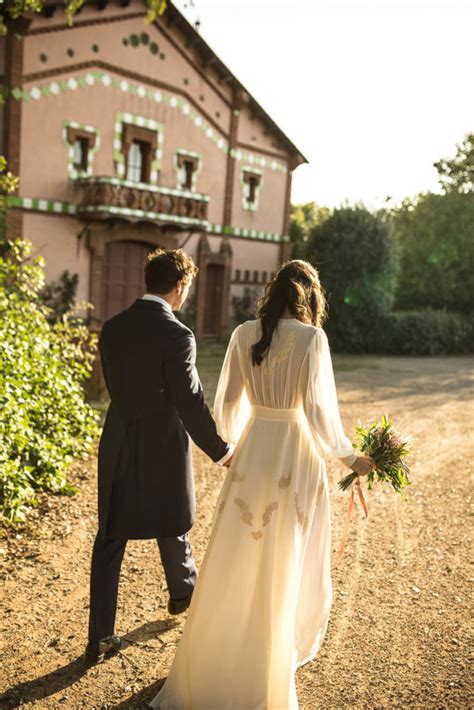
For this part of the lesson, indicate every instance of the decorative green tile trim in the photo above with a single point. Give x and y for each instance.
(246, 204)
(67, 208)
(257, 161)
(119, 158)
(248, 233)
(71, 170)
(146, 186)
(179, 171)
(33, 203)
(105, 80)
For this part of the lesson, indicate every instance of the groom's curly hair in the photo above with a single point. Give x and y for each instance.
(165, 267)
(296, 286)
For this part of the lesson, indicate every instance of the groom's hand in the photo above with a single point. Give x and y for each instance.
(363, 465)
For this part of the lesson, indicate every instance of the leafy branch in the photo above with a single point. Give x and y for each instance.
(13, 9)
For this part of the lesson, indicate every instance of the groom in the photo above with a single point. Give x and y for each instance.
(146, 484)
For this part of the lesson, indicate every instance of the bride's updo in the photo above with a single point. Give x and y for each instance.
(296, 286)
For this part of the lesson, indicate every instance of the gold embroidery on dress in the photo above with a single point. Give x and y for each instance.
(220, 507)
(237, 477)
(245, 514)
(284, 481)
(266, 519)
(268, 512)
(280, 355)
(302, 518)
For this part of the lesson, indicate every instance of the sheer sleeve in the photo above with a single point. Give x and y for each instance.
(320, 401)
(231, 406)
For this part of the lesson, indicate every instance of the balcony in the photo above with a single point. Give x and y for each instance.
(108, 197)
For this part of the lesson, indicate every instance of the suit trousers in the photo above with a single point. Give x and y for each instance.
(107, 555)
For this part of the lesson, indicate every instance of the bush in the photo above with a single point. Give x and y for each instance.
(45, 421)
(187, 315)
(244, 306)
(59, 296)
(355, 254)
(427, 332)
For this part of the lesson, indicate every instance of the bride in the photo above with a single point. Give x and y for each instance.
(261, 605)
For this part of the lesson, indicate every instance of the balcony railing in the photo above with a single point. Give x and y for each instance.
(105, 197)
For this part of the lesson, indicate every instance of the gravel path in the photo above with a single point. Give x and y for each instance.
(399, 626)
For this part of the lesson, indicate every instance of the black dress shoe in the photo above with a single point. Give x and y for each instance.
(98, 651)
(177, 606)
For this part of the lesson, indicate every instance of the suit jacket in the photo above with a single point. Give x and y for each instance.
(146, 482)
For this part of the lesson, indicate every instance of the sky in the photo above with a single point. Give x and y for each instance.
(372, 92)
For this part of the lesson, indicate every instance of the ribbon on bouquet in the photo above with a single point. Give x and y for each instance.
(349, 513)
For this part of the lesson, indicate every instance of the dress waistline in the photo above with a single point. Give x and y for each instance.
(260, 412)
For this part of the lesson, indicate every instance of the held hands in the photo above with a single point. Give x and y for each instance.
(228, 462)
(363, 465)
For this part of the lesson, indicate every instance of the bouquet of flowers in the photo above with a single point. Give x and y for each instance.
(389, 451)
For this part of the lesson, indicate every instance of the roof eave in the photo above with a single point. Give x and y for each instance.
(180, 20)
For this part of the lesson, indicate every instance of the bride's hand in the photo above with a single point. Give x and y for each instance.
(363, 465)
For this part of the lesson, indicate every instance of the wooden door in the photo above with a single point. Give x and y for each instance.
(123, 275)
(213, 300)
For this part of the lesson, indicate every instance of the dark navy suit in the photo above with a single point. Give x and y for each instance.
(146, 482)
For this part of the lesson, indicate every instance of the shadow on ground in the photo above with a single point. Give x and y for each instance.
(64, 677)
(140, 700)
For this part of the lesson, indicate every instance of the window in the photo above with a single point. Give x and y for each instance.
(80, 151)
(237, 275)
(188, 169)
(137, 161)
(264, 277)
(139, 147)
(82, 143)
(251, 184)
(187, 165)
(255, 277)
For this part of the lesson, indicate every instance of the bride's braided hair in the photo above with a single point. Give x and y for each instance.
(296, 285)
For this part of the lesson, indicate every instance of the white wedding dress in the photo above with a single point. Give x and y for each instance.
(262, 600)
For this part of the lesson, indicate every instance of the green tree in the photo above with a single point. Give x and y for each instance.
(457, 174)
(436, 238)
(356, 256)
(304, 218)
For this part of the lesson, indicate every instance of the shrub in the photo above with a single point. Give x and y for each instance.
(355, 254)
(45, 421)
(59, 296)
(187, 315)
(244, 306)
(427, 332)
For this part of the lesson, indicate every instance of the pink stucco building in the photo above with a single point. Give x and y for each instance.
(127, 136)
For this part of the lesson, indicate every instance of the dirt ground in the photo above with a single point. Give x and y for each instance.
(399, 628)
